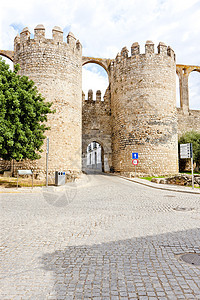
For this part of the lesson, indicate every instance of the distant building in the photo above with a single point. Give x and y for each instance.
(94, 156)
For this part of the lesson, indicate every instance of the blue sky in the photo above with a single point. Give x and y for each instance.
(105, 26)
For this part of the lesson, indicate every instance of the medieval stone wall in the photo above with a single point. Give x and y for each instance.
(96, 125)
(143, 106)
(138, 113)
(56, 68)
(189, 121)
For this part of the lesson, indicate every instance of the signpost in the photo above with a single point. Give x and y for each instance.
(135, 155)
(24, 172)
(47, 154)
(187, 152)
(135, 160)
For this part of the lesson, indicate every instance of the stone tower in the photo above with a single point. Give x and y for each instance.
(144, 114)
(56, 68)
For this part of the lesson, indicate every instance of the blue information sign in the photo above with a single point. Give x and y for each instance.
(135, 155)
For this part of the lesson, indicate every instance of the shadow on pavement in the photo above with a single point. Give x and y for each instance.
(133, 268)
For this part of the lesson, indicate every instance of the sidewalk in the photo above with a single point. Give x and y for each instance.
(160, 186)
(79, 182)
(84, 179)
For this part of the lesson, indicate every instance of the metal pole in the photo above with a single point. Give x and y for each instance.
(47, 170)
(135, 170)
(191, 153)
(192, 172)
(47, 154)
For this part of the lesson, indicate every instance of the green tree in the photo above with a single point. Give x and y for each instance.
(194, 138)
(23, 113)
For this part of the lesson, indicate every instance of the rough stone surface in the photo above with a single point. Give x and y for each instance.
(56, 68)
(108, 239)
(180, 179)
(138, 114)
(144, 115)
(188, 119)
(96, 125)
(184, 180)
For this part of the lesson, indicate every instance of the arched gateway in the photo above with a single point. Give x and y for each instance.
(96, 126)
(103, 62)
(138, 113)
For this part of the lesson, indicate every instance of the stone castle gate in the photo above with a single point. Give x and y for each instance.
(138, 113)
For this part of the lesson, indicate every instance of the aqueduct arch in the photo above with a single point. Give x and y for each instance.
(183, 72)
(7, 53)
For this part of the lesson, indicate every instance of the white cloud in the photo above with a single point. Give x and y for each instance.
(104, 27)
(194, 90)
(94, 78)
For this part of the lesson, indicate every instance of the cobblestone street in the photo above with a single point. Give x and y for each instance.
(108, 238)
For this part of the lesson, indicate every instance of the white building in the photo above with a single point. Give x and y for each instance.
(94, 153)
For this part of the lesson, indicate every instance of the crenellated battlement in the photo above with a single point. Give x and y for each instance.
(55, 66)
(137, 113)
(143, 105)
(163, 51)
(39, 39)
(90, 96)
(104, 100)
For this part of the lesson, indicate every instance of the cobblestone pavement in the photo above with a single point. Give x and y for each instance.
(107, 239)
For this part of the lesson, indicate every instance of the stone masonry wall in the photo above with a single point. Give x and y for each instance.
(138, 113)
(56, 68)
(188, 121)
(96, 125)
(144, 114)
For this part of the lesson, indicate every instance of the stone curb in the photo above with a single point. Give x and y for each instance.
(160, 186)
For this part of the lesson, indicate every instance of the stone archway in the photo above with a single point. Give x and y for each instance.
(96, 119)
(183, 72)
(7, 53)
(194, 89)
(105, 151)
(103, 62)
(93, 157)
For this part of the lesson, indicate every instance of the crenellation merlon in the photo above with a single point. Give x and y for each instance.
(162, 48)
(16, 42)
(39, 32)
(135, 49)
(90, 95)
(98, 95)
(118, 57)
(78, 45)
(90, 98)
(170, 52)
(71, 40)
(57, 34)
(124, 52)
(163, 51)
(149, 47)
(39, 38)
(25, 35)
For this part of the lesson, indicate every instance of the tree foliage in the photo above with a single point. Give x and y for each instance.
(194, 138)
(23, 113)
